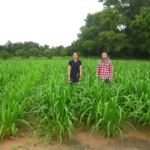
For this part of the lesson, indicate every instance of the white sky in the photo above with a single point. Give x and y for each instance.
(52, 22)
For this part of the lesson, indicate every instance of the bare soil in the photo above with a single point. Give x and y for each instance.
(83, 141)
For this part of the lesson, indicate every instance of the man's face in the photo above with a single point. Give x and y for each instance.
(104, 55)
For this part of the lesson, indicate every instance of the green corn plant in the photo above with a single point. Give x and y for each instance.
(39, 90)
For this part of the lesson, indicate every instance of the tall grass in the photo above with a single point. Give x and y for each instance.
(38, 89)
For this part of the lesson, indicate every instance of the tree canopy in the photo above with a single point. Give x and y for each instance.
(121, 28)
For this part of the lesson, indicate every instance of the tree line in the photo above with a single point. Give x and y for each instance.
(27, 49)
(122, 29)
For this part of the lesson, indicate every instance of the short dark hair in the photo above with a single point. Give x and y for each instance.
(104, 52)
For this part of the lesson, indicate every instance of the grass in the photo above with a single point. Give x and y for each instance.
(38, 89)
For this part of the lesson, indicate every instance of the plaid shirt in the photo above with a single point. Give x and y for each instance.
(104, 69)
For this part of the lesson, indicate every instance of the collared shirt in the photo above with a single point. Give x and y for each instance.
(75, 68)
(104, 69)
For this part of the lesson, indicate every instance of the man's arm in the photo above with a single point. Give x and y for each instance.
(110, 71)
(97, 70)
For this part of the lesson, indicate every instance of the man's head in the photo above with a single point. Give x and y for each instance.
(104, 55)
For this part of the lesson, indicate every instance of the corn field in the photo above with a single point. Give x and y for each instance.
(39, 90)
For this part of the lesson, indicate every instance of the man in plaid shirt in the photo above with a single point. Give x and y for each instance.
(104, 68)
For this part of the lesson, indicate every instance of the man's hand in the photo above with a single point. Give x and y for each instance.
(80, 79)
(102, 79)
(69, 79)
(110, 80)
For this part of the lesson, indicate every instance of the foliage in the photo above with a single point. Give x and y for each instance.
(38, 90)
(34, 52)
(4, 55)
(114, 30)
(63, 54)
(141, 29)
(48, 53)
(21, 53)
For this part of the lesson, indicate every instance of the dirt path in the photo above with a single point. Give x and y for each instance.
(82, 141)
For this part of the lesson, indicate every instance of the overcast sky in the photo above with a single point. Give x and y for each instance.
(52, 22)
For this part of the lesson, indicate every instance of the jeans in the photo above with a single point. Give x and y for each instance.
(106, 80)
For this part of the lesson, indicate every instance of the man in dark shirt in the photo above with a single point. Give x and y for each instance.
(74, 69)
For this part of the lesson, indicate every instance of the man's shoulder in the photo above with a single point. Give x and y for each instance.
(100, 61)
(109, 60)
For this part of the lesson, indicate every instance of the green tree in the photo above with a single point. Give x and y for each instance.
(141, 30)
(4, 55)
(103, 31)
(89, 45)
(128, 8)
(63, 54)
(58, 50)
(21, 53)
(46, 46)
(34, 52)
(9, 45)
(29, 45)
(48, 53)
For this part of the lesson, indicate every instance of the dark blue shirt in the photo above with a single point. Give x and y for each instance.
(75, 68)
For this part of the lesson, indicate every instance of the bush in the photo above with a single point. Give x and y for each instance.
(4, 55)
